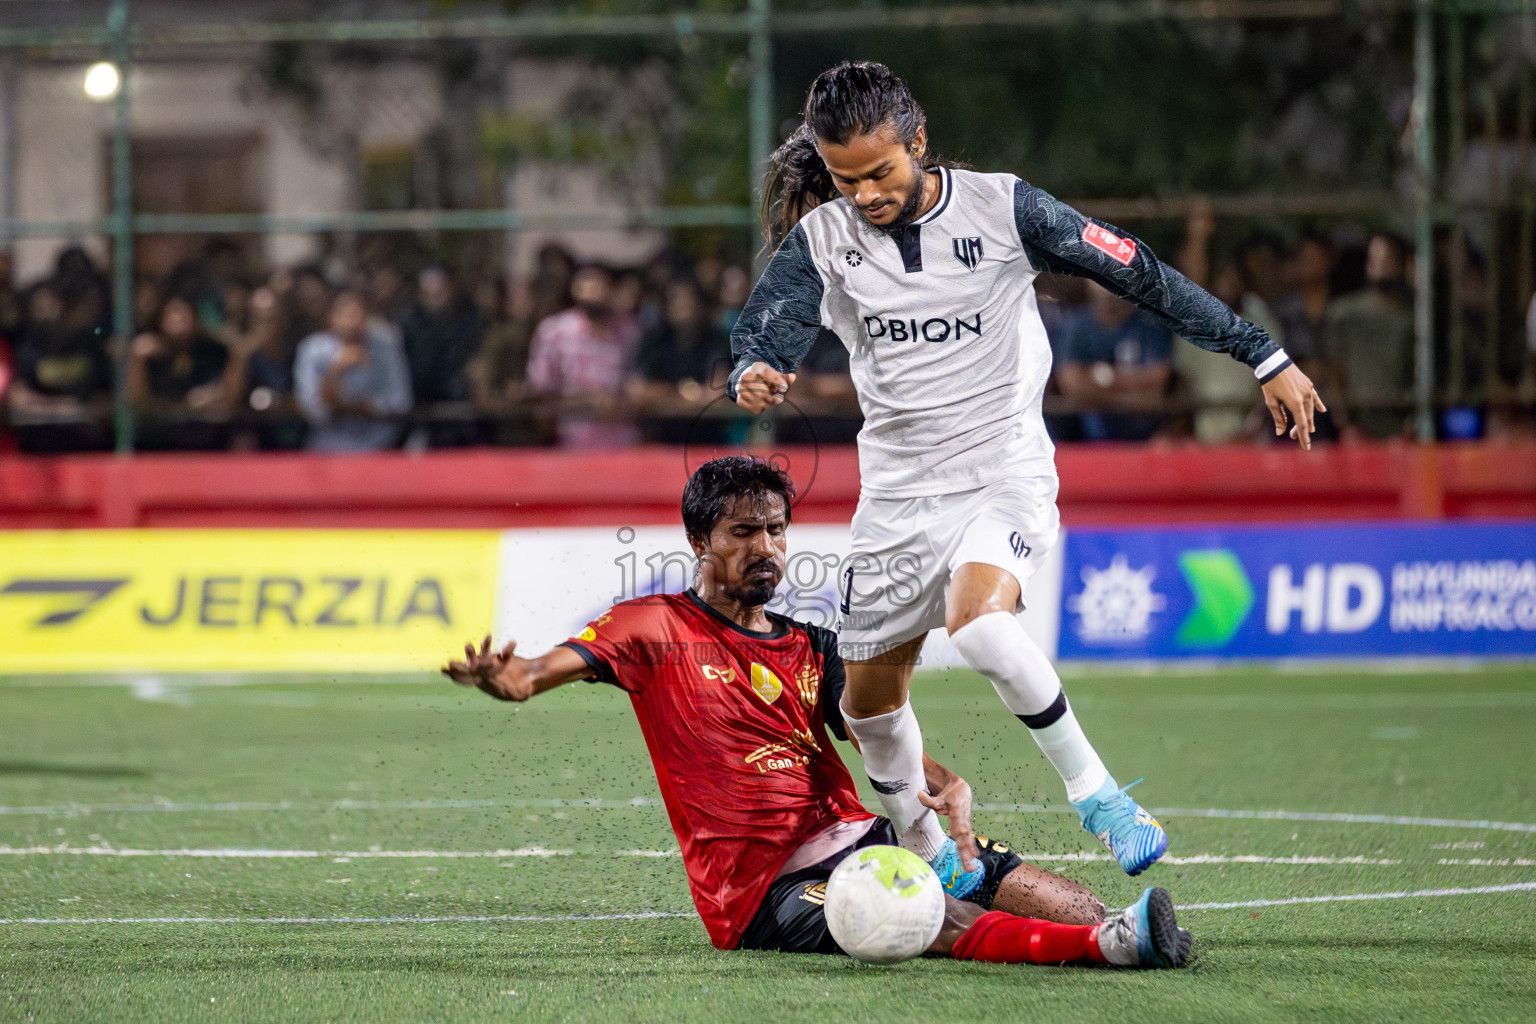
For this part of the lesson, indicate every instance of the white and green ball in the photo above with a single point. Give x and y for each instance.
(884, 905)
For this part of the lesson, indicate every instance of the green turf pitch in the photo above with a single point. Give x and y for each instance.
(286, 800)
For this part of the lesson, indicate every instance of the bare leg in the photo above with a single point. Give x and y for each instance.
(958, 918)
(1027, 891)
(1030, 891)
(878, 686)
(978, 589)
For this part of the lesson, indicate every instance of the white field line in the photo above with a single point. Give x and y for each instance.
(171, 807)
(601, 804)
(261, 853)
(538, 851)
(1217, 858)
(1490, 700)
(648, 853)
(335, 855)
(1345, 818)
(1248, 702)
(166, 806)
(448, 919)
(1475, 890)
(491, 919)
(1339, 817)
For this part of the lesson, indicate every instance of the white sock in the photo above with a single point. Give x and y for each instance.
(892, 745)
(996, 645)
(1068, 749)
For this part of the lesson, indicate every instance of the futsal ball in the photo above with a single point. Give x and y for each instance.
(884, 905)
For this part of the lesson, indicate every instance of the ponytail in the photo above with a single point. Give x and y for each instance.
(796, 183)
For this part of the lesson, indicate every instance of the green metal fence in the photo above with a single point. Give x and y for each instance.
(758, 29)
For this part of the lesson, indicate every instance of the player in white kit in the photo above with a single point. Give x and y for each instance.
(926, 275)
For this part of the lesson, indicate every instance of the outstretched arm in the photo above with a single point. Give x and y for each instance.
(505, 676)
(1060, 239)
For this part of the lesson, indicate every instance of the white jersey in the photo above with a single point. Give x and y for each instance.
(947, 350)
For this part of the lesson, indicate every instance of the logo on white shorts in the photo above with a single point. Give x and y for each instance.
(1016, 542)
(1116, 604)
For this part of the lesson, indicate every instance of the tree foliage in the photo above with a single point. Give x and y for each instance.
(1142, 108)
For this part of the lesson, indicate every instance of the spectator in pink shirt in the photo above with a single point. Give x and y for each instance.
(580, 358)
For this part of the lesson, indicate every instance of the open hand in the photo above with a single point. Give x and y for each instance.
(1292, 391)
(762, 386)
(951, 797)
(498, 673)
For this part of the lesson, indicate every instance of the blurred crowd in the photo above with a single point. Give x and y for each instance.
(580, 355)
(1343, 312)
(585, 355)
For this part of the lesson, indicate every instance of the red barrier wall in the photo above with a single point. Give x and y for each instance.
(504, 488)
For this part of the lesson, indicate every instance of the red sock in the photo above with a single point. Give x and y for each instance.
(1000, 938)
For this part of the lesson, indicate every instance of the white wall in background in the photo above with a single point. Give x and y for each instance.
(551, 582)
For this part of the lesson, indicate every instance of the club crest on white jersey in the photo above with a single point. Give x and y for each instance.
(946, 346)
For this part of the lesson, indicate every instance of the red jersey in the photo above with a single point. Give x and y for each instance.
(736, 723)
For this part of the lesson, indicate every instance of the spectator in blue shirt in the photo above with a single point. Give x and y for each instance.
(352, 381)
(1114, 365)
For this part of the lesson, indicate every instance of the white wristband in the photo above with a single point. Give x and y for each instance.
(1271, 367)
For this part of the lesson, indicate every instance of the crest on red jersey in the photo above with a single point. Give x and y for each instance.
(808, 683)
(765, 684)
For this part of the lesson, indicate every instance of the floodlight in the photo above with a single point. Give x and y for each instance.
(102, 80)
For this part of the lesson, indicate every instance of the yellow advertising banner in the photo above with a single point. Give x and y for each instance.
(242, 600)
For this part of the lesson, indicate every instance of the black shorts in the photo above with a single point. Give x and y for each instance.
(790, 919)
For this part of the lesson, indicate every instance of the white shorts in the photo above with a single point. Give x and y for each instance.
(906, 549)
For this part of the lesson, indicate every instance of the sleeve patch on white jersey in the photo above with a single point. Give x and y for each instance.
(1116, 248)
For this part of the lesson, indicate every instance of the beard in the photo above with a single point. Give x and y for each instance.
(754, 590)
(908, 212)
(752, 594)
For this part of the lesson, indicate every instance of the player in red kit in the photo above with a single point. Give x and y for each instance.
(736, 705)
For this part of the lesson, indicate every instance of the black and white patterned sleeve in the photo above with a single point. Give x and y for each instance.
(782, 317)
(1059, 238)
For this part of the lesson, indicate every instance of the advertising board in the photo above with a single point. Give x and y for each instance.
(1342, 590)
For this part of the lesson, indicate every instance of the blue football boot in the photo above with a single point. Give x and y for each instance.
(957, 881)
(1145, 934)
(1130, 833)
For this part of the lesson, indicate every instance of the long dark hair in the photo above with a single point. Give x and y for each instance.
(719, 482)
(851, 99)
